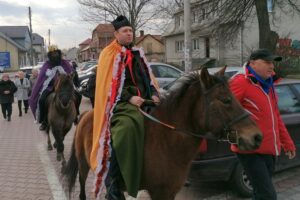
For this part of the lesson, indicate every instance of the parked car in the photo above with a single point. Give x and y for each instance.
(82, 75)
(86, 65)
(230, 70)
(164, 73)
(218, 163)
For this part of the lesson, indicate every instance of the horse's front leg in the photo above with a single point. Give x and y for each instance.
(49, 142)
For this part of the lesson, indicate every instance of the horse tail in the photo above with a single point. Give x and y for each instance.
(70, 171)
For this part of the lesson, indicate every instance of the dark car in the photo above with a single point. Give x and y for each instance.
(218, 163)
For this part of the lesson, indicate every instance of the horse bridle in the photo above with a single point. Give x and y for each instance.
(231, 136)
(226, 127)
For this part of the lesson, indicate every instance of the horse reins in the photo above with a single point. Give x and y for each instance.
(226, 128)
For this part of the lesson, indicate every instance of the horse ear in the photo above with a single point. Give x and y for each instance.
(221, 72)
(206, 78)
(72, 75)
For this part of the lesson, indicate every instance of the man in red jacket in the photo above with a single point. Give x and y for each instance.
(255, 91)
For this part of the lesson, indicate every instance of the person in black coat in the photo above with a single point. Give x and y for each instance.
(76, 83)
(91, 87)
(7, 90)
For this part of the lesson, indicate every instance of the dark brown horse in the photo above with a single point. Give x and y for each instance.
(198, 106)
(61, 113)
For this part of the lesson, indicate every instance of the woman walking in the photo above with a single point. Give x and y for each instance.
(23, 85)
(7, 90)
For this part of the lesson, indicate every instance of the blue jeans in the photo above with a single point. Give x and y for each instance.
(259, 169)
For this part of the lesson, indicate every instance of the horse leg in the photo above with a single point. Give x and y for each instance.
(59, 144)
(63, 163)
(49, 141)
(83, 173)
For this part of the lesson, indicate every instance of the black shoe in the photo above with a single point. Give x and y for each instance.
(20, 114)
(43, 127)
(8, 118)
(4, 116)
(26, 110)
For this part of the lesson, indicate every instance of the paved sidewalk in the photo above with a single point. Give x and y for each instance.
(29, 172)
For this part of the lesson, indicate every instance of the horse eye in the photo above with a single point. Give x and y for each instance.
(227, 100)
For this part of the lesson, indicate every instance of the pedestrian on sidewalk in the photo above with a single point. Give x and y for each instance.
(33, 78)
(23, 85)
(255, 91)
(7, 90)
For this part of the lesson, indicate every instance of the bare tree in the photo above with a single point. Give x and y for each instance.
(227, 17)
(139, 12)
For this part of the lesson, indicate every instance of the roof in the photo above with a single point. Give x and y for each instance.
(86, 42)
(15, 31)
(37, 39)
(12, 42)
(104, 28)
(141, 38)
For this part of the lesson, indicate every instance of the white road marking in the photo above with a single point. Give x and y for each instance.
(55, 186)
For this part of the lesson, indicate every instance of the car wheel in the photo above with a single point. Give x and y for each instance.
(241, 182)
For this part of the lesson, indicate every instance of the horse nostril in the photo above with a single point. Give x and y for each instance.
(257, 139)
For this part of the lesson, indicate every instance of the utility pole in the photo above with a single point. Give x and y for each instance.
(187, 36)
(49, 43)
(30, 29)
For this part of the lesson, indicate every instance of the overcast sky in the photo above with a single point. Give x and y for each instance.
(60, 16)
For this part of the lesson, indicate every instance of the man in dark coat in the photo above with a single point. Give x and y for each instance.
(7, 90)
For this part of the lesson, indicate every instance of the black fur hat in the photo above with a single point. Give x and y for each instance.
(120, 21)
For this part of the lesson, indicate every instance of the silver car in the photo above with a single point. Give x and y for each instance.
(164, 73)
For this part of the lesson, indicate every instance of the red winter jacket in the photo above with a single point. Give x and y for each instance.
(264, 111)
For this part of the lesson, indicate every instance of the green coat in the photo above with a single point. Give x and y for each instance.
(127, 126)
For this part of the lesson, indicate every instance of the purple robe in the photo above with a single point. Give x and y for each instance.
(35, 94)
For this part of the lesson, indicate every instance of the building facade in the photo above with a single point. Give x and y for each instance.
(216, 51)
(153, 46)
(12, 55)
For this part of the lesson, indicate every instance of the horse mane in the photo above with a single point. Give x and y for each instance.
(176, 92)
(58, 81)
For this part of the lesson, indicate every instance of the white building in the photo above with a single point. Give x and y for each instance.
(206, 48)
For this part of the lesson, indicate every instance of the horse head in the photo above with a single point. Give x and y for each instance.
(202, 105)
(64, 89)
(224, 117)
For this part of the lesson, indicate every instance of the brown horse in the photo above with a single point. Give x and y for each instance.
(198, 106)
(61, 113)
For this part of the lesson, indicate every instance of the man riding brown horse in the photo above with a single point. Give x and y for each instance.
(123, 83)
(45, 84)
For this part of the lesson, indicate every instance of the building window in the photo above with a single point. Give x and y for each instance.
(207, 48)
(270, 5)
(194, 16)
(195, 43)
(178, 21)
(179, 45)
(203, 13)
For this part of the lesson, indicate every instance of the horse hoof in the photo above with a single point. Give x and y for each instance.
(50, 148)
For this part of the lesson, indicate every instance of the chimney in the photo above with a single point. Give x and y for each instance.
(141, 33)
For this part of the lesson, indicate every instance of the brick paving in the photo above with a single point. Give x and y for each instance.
(29, 172)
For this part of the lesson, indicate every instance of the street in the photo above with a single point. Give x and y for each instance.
(29, 171)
